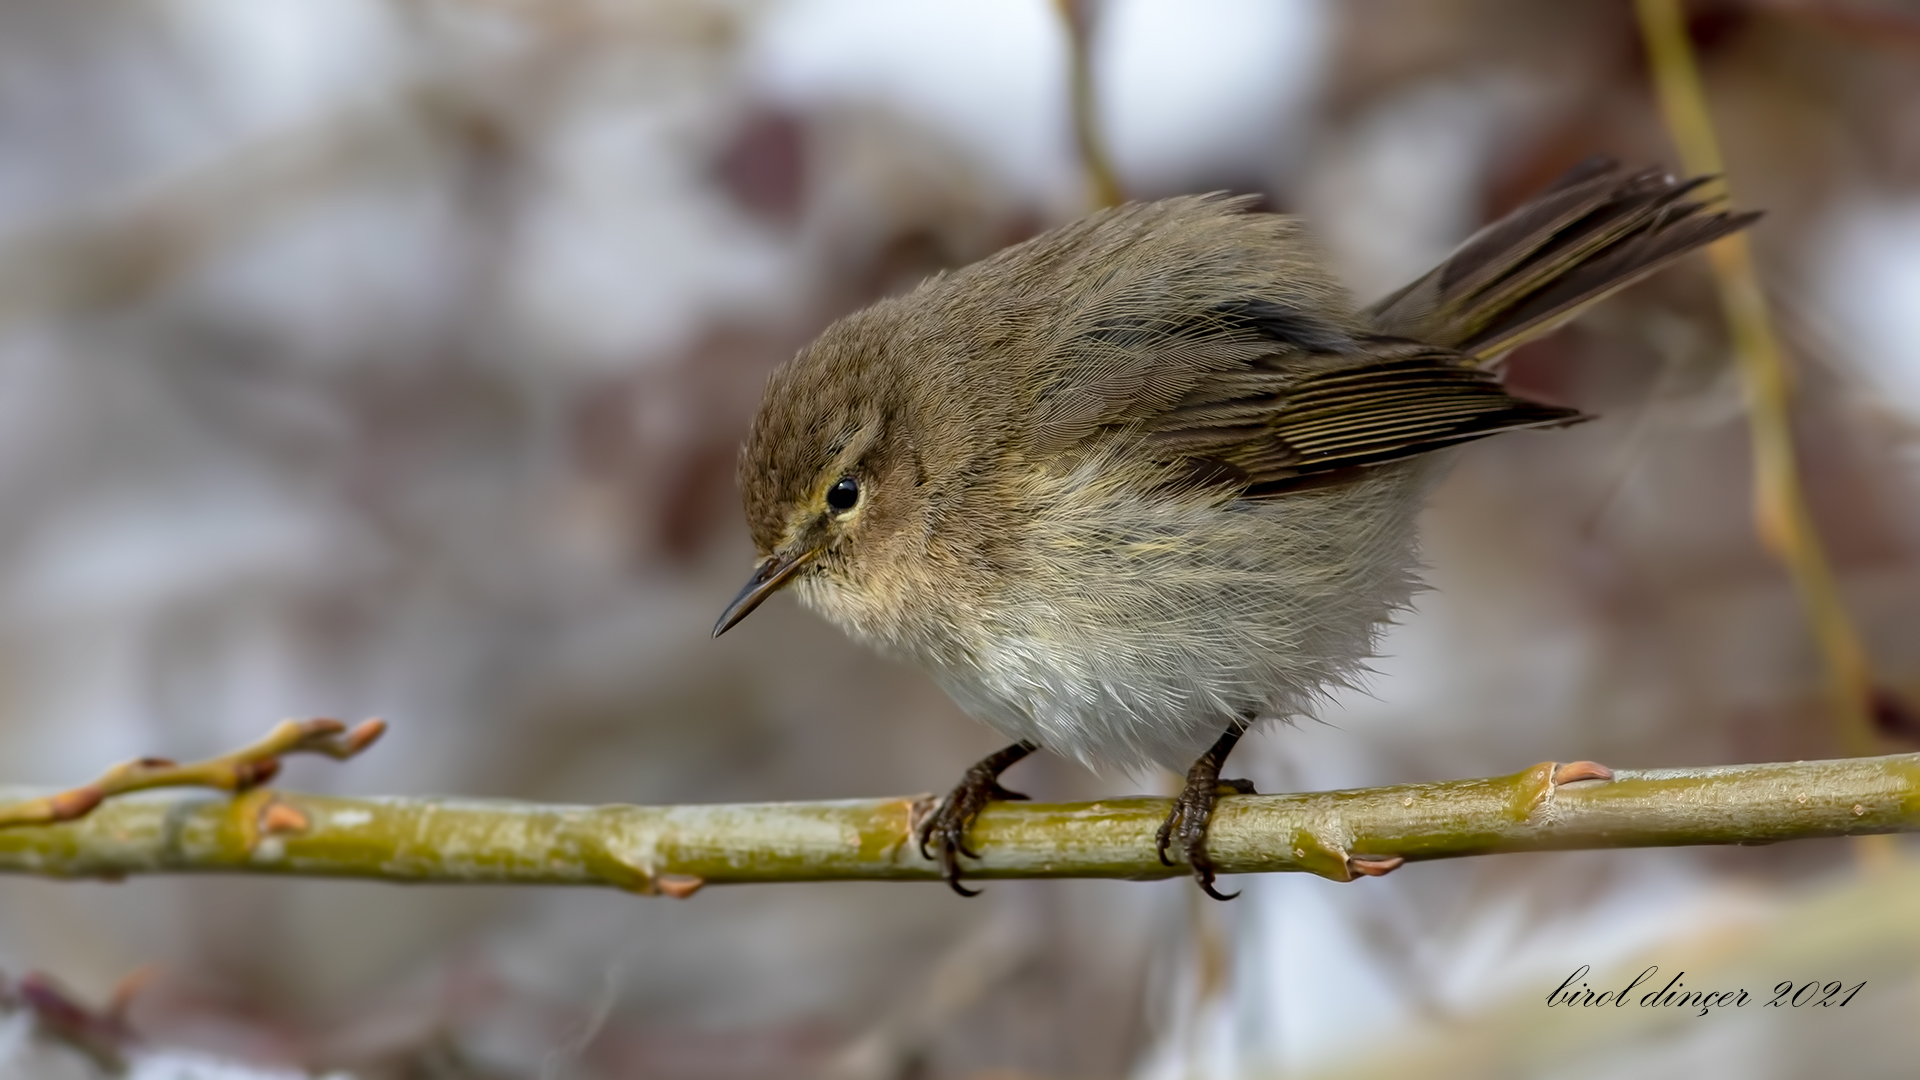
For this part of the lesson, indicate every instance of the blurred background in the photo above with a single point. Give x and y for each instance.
(390, 357)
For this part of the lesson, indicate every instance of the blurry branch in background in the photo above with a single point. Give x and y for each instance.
(103, 1035)
(240, 770)
(1076, 16)
(1780, 506)
(966, 972)
(1863, 927)
(674, 850)
(118, 253)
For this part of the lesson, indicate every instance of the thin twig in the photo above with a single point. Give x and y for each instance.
(1103, 185)
(247, 767)
(1780, 505)
(101, 1035)
(675, 850)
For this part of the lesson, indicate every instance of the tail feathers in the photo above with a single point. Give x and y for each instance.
(1594, 232)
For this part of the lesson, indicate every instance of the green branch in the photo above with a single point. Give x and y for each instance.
(675, 850)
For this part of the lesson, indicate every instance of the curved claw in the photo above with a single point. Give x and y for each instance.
(936, 822)
(946, 827)
(1206, 886)
(923, 832)
(950, 867)
(1192, 812)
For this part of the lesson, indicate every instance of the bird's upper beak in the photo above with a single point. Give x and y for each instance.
(767, 579)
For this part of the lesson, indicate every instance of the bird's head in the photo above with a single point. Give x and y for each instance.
(830, 481)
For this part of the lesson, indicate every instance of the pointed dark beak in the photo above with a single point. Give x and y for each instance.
(766, 580)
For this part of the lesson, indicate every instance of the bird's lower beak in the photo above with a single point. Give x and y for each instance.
(767, 579)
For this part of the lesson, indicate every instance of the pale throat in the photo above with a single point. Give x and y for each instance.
(898, 609)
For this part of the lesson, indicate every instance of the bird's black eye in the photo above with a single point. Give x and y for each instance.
(844, 494)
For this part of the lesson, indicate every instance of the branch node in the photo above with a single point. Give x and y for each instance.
(246, 775)
(678, 886)
(634, 874)
(1531, 790)
(1575, 771)
(281, 817)
(72, 804)
(1315, 856)
(1375, 865)
(248, 812)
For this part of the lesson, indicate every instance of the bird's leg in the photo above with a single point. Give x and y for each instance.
(946, 827)
(1194, 808)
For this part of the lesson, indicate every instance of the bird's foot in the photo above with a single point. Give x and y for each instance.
(945, 828)
(1188, 821)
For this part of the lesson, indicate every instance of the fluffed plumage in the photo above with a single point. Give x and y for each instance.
(1133, 479)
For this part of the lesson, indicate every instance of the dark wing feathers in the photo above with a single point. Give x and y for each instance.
(1292, 428)
(1597, 230)
(1600, 274)
(1283, 389)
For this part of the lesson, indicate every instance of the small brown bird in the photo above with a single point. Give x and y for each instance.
(1129, 487)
